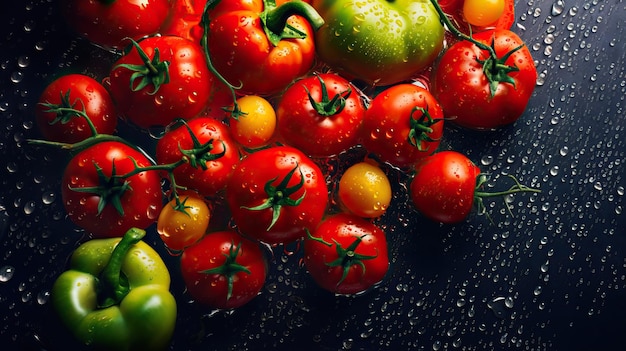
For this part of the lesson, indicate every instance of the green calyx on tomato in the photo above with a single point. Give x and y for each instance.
(109, 190)
(494, 67)
(152, 72)
(496, 70)
(421, 128)
(115, 296)
(278, 195)
(326, 106)
(200, 153)
(65, 111)
(229, 268)
(381, 42)
(274, 19)
(346, 257)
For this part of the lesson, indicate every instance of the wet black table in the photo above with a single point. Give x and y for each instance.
(551, 277)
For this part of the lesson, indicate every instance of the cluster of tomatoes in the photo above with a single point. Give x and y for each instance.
(248, 111)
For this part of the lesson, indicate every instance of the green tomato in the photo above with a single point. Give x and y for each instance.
(380, 42)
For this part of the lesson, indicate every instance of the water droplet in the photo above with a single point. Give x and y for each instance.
(6, 273)
(557, 8)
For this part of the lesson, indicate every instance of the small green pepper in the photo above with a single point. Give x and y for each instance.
(115, 296)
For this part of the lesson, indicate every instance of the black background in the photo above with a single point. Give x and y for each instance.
(552, 277)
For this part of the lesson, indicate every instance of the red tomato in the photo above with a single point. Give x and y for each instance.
(211, 152)
(346, 254)
(244, 54)
(107, 23)
(276, 194)
(224, 270)
(462, 85)
(98, 198)
(320, 115)
(403, 124)
(57, 121)
(161, 79)
(443, 186)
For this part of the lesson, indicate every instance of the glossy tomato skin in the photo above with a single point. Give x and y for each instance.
(387, 127)
(343, 229)
(443, 187)
(244, 55)
(257, 126)
(247, 189)
(181, 224)
(107, 23)
(211, 289)
(461, 87)
(219, 161)
(185, 95)
(365, 190)
(316, 134)
(79, 92)
(184, 19)
(141, 201)
(454, 8)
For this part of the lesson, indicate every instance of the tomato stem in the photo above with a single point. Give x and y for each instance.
(326, 106)
(234, 111)
(347, 257)
(457, 33)
(421, 127)
(278, 196)
(83, 144)
(65, 111)
(152, 72)
(480, 195)
(229, 268)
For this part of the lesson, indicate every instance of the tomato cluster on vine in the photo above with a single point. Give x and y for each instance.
(251, 97)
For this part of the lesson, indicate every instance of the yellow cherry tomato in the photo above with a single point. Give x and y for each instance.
(182, 224)
(482, 12)
(364, 190)
(256, 127)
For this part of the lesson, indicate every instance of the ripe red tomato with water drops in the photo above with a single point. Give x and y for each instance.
(482, 90)
(211, 153)
(346, 254)
(443, 186)
(224, 270)
(104, 194)
(160, 79)
(321, 115)
(403, 124)
(276, 194)
(108, 22)
(65, 103)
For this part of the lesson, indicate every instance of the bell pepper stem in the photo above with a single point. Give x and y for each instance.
(112, 287)
(277, 15)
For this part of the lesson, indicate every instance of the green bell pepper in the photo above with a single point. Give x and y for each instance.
(380, 42)
(115, 296)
